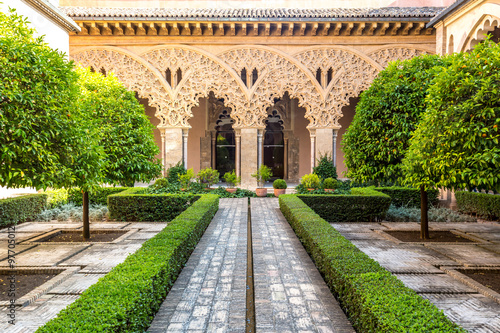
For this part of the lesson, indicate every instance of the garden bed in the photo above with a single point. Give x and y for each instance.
(490, 278)
(412, 236)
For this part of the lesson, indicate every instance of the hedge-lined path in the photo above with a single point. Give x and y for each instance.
(423, 268)
(209, 294)
(290, 294)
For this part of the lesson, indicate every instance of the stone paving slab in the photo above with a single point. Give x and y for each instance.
(402, 225)
(290, 294)
(362, 235)
(142, 235)
(466, 226)
(468, 255)
(36, 314)
(108, 225)
(475, 312)
(4, 251)
(43, 227)
(434, 283)
(101, 257)
(45, 255)
(148, 226)
(76, 284)
(357, 227)
(489, 236)
(493, 247)
(209, 295)
(19, 237)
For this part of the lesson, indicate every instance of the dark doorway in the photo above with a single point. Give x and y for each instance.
(274, 145)
(225, 144)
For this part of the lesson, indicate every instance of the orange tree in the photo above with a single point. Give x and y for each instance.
(456, 145)
(386, 117)
(118, 122)
(42, 135)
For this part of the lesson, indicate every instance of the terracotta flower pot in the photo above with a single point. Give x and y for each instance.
(329, 190)
(311, 189)
(279, 191)
(231, 190)
(261, 192)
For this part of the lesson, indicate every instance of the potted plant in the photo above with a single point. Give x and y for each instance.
(208, 177)
(330, 184)
(279, 187)
(186, 179)
(232, 181)
(262, 175)
(310, 181)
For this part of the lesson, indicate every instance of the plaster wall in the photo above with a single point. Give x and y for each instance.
(55, 36)
(150, 112)
(300, 131)
(196, 132)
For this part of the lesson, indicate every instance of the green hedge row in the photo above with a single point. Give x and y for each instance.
(128, 297)
(482, 204)
(408, 197)
(364, 204)
(374, 299)
(98, 197)
(136, 205)
(21, 209)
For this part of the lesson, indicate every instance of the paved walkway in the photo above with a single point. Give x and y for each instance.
(210, 293)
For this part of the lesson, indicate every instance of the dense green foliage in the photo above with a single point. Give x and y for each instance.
(280, 184)
(374, 299)
(330, 183)
(456, 144)
(436, 214)
(364, 205)
(482, 204)
(21, 209)
(263, 174)
(128, 297)
(232, 179)
(174, 171)
(43, 135)
(56, 198)
(208, 176)
(123, 129)
(408, 197)
(186, 179)
(325, 168)
(99, 195)
(386, 116)
(311, 180)
(135, 204)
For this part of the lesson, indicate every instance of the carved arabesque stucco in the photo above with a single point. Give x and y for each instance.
(384, 56)
(133, 74)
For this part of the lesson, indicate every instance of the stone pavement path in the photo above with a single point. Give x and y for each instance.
(290, 294)
(210, 293)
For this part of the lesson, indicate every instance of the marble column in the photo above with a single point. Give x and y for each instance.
(326, 143)
(237, 155)
(312, 133)
(185, 146)
(173, 146)
(163, 170)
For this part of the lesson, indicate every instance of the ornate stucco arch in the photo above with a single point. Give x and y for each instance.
(278, 73)
(135, 73)
(386, 54)
(202, 73)
(486, 24)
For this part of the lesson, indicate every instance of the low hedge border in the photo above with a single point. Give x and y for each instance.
(21, 209)
(98, 197)
(363, 204)
(374, 299)
(127, 298)
(134, 204)
(483, 204)
(408, 197)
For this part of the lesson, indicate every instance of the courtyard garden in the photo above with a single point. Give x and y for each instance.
(104, 255)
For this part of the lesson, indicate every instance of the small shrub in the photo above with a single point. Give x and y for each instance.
(280, 184)
(436, 214)
(163, 186)
(56, 198)
(174, 171)
(311, 180)
(483, 204)
(186, 179)
(263, 174)
(330, 183)
(231, 179)
(21, 209)
(208, 176)
(72, 212)
(325, 168)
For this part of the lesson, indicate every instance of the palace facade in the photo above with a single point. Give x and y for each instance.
(234, 88)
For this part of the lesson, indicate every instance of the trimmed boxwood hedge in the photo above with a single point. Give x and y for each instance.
(408, 197)
(127, 298)
(374, 300)
(98, 197)
(21, 209)
(136, 205)
(364, 204)
(483, 204)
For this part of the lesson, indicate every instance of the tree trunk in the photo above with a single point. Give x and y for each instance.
(424, 217)
(86, 223)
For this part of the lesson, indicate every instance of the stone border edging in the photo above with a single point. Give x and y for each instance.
(453, 272)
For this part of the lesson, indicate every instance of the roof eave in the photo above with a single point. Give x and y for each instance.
(54, 14)
(445, 13)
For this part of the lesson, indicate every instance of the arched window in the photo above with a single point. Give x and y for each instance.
(225, 144)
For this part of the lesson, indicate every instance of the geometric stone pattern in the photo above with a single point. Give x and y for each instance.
(45, 255)
(209, 295)
(416, 265)
(76, 284)
(290, 294)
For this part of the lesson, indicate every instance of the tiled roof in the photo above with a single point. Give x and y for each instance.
(249, 14)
